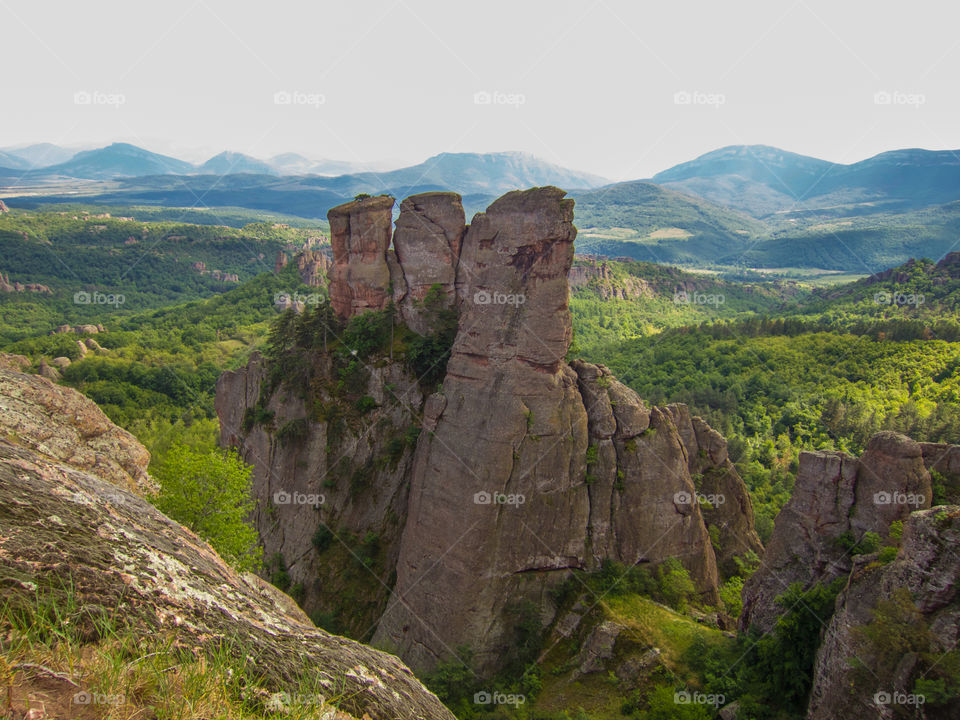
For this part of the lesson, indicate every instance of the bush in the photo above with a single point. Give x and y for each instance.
(322, 538)
(209, 492)
(676, 587)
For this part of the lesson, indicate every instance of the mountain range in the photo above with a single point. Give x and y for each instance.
(744, 205)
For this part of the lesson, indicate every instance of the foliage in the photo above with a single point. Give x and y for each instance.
(209, 492)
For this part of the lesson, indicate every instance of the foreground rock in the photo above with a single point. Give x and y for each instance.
(63, 526)
(61, 423)
(836, 500)
(917, 595)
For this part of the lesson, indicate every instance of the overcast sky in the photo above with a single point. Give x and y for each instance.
(622, 88)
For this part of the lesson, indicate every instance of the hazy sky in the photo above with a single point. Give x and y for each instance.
(620, 88)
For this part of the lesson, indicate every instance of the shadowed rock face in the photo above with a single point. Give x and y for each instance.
(360, 235)
(835, 495)
(928, 566)
(526, 468)
(426, 242)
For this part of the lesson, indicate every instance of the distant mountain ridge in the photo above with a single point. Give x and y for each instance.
(764, 181)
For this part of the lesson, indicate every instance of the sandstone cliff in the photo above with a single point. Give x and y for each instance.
(65, 529)
(527, 466)
(916, 598)
(836, 500)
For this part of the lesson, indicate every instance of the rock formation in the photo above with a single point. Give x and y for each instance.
(66, 526)
(525, 468)
(836, 500)
(313, 265)
(360, 233)
(927, 567)
(67, 426)
(427, 241)
(7, 286)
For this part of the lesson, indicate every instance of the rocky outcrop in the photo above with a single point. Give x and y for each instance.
(349, 470)
(720, 492)
(360, 233)
(836, 500)
(312, 266)
(927, 567)
(526, 466)
(426, 242)
(64, 527)
(597, 273)
(63, 425)
(7, 286)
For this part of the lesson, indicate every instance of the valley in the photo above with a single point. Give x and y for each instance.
(346, 362)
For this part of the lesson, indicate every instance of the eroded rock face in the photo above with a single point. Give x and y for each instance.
(62, 424)
(513, 428)
(122, 557)
(313, 266)
(338, 479)
(836, 498)
(526, 467)
(927, 566)
(360, 233)
(426, 242)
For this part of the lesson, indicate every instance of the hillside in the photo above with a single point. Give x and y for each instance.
(764, 181)
(116, 160)
(647, 222)
(87, 267)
